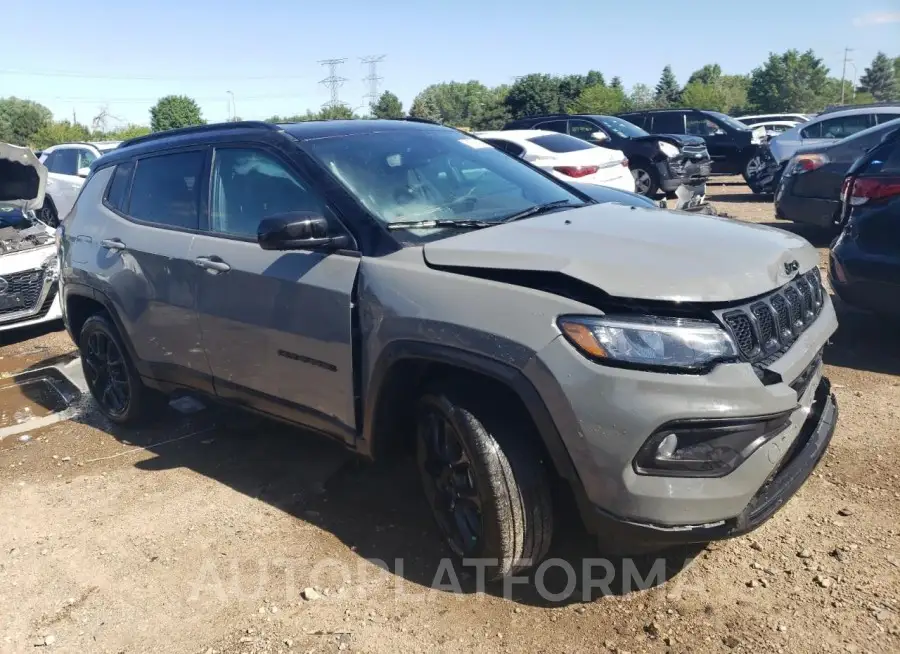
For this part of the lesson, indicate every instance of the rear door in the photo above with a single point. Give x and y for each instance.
(151, 211)
(277, 326)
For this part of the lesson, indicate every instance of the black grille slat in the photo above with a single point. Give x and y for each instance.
(28, 284)
(765, 319)
(766, 328)
(742, 329)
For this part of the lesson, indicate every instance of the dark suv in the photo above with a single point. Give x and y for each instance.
(397, 284)
(732, 145)
(659, 162)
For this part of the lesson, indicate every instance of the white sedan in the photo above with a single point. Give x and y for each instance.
(566, 157)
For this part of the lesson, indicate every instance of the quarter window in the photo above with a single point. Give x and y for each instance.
(117, 194)
(249, 185)
(166, 189)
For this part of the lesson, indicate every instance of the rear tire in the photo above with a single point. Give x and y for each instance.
(120, 394)
(484, 479)
(646, 181)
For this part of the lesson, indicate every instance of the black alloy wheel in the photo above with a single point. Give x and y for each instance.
(107, 374)
(449, 481)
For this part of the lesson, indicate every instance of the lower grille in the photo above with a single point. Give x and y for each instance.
(43, 311)
(769, 326)
(27, 285)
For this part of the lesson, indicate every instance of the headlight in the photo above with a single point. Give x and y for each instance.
(647, 341)
(51, 265)
(668, 149)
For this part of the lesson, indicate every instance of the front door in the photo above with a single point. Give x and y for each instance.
(720, 144)
(277, 326)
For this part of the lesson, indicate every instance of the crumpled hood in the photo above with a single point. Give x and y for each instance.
(637, 253)
(22, 178)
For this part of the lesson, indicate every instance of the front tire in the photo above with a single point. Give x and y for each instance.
(751, 168)
(120, 394)
(484, 478)
(48, 214)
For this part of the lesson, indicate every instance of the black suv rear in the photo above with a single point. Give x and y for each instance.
(658, 162)
(731, 144)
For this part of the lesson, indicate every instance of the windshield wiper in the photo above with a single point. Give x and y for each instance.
(542, 208)
(443, 222)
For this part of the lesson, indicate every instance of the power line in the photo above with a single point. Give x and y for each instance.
(844, 71)
(64, 73)
(333, 82)
(372, 78)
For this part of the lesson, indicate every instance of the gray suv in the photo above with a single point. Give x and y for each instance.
(397, 284)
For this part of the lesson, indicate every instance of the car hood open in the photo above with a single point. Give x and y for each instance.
(636, 253)
(22, 178)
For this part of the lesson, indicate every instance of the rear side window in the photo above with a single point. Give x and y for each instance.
(837, 128)
(508, 147)
(553, 126)
(166, 189)
(117, 194)
(669, 123)
(560, 143)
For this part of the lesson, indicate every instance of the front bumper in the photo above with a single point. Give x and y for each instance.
(799, 209)
(675, 172)
(604, 415)
(791, 473)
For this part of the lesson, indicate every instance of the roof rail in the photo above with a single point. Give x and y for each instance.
(199, 129)
(846, 107)
(416, 119)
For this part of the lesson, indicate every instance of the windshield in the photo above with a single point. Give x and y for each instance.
(622, 128)
(728, 120)
(439, 174)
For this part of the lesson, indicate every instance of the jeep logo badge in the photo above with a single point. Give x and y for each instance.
(790, 267)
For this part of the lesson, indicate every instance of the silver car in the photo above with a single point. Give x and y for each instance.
(397, 284)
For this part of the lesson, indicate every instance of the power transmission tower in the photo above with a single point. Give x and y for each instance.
(333, 81)
(844, 71)
(372, 78)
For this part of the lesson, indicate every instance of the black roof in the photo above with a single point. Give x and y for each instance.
(315, 129)
(301, 131)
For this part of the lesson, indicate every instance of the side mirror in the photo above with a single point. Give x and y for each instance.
(599, 136)
(298, 230)
(83, 172)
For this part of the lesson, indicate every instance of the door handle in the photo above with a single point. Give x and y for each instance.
(212, 264)
(113, 244)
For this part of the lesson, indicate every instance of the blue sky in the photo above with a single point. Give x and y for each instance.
(122, 55)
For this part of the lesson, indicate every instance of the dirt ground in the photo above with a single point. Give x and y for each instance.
(219, 533)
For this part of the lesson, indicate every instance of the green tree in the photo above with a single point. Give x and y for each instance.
(58, 132)
(336, 112)
(387, 106)
(667, 90)
(641, 97)
(599, 99)
(616, 83)
(790, 81)
(571, 86)
(175, 111)
(424, 107)
(709, 74)
(704, 96)
(897, 68)
(122, 133)
(533, 95)
(454, 102)
(492, 112)
(879, 80)
(735, 89)
(21, 119)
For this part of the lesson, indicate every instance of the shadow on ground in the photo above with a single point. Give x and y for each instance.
(864, 341)
(376, 509)
(739, 198)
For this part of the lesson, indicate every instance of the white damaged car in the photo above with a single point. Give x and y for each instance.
(29, 267)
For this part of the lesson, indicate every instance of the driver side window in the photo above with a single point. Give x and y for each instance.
(249, 185)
